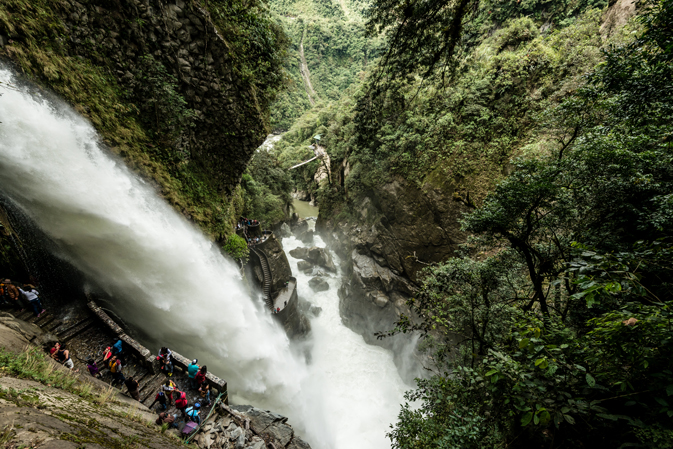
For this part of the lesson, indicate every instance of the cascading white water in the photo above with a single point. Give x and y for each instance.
(170, 281)
(358, 383)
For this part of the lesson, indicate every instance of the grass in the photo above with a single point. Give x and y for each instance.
(105, 396)
(33, 364)
(6, 433)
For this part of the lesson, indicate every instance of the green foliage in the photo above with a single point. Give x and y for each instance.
(562, 335)
(266, 189)
(258, 45)
(142, 121)
(162, 107)
(237, 248)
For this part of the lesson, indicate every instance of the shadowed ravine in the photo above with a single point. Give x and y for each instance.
(166, 278)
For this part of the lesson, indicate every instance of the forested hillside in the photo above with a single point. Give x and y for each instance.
(550, 124)
(327, 59)
(330, 35)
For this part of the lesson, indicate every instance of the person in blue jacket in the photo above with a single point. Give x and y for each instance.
(117, 348)
(193, 413)
(192, 369)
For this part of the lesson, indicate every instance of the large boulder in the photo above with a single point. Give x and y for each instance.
(269, 425)
(318, 284)
(299, 226)
(316, 256)
(284, 231)
(320, 256)
(299, 253)
(304, 265)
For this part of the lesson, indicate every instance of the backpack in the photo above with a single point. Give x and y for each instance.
(181, 402)
(189, 428)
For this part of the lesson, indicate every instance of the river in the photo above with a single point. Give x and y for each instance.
(164, 277)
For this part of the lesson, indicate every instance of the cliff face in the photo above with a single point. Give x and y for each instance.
(400, 229)
(167, 84)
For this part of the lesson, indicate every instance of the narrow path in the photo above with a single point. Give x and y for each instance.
(303, 69)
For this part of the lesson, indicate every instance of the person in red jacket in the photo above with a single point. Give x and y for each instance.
(181, 402)
(201, 375)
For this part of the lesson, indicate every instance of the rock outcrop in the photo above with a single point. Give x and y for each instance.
(316, 256)
(401, 228)
(247, 427)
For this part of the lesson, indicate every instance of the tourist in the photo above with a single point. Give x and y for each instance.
(165, 358)
(132, 386)
(63, 356)
(193, 413)
(165, 353)
(107, 354)
(4, 298)
(117, 348)
(205, 392)
(31, 296)
(93, 368)
(12, 293)
(168, 388)
(278, 310)
(54, 350)
(192, 369)
(166, 367)
(116, 369)
(161, 399)
(167, 418)
(200, 377)
(181, 402)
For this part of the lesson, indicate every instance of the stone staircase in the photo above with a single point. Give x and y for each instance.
(87, 335)
(267, 277)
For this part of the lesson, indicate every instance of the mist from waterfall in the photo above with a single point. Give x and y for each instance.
(166, 278)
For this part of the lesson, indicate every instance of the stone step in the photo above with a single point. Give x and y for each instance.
(45, 319)
(146, 386)
(25, 315)
(76, 329)
(49, 327)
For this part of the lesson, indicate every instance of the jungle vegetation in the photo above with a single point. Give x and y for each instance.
(562, 297)
(561, 134)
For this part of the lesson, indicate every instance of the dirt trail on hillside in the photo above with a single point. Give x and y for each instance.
(305, 74)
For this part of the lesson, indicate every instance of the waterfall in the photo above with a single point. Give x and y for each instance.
(167, 280)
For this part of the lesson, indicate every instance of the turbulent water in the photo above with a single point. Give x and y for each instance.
(165, 278)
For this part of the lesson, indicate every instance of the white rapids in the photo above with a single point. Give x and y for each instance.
(167, 279)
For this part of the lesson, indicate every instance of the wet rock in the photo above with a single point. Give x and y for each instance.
(320, 256)
(240, 443)
(268, 424)
(298, 443)
(256, 443)
(236, 433)
(315, 255)
(299, 227)
(284, 231)
(318, 284)
(307, 237)
(299, 253)
(304, 265)
(315, 310)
